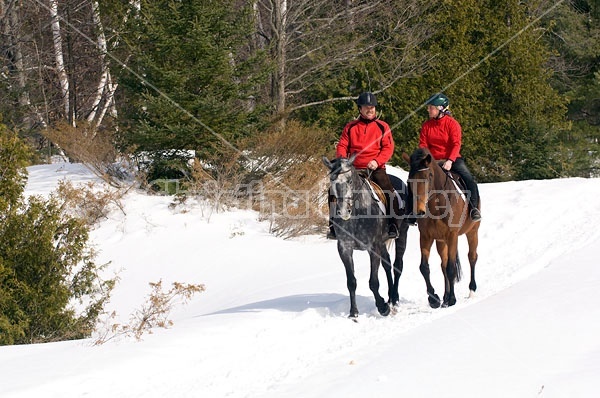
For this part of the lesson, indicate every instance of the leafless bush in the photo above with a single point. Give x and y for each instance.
(219, 178)
(293, 192)
(153, 313)
(91, 146)
(279, 174)
(89, 202)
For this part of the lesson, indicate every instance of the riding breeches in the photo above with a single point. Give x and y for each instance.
(381, 178)
(459, 167)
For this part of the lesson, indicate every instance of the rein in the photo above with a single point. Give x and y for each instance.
(363, 176)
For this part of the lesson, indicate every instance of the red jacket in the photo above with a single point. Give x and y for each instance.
(442, 137)
(370, 139)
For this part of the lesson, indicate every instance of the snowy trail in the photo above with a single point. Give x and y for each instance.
(272, 322)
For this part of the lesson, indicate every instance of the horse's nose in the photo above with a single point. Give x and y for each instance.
(344, 213)
(420, 211)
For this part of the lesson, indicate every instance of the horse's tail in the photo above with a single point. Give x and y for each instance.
(458, 268)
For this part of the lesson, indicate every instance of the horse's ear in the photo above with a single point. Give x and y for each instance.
(406, 157)
(352, 157)
(327, 162)
(427, 160)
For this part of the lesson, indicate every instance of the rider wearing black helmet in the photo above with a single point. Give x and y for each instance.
(366, 99)
(371, 140)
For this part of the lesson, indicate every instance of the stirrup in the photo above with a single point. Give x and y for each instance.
(475, 215)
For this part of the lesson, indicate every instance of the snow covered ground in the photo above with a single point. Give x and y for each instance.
(272, 322)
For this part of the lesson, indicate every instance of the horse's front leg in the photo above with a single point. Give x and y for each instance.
(376, 257)
(434, 299)
(400, 244)
(345, 253)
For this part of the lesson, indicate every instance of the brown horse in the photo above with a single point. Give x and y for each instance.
(443, 215)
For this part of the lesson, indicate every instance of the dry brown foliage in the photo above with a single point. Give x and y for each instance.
(89, 145)
(279, 174)
(293, 185)
(154, 313)
(89, 202)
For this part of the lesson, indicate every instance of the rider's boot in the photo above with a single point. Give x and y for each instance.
(475, 214)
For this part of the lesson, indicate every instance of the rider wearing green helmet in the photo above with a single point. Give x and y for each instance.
(442, 135)
(440, 101)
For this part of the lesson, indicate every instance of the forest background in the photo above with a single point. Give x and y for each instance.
(224, 79)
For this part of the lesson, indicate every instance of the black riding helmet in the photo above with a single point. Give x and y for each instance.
(367, 98)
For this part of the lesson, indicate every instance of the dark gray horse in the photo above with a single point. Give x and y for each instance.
(360, 224)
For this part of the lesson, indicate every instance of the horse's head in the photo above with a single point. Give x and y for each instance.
(420, 177)
(340, 176)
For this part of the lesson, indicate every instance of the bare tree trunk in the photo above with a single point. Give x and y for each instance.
(261, 40)
(109, 103)
(105, 76)
(11, 27)
(17, 54)
(58, 55)
(279, 27)
(105, 92)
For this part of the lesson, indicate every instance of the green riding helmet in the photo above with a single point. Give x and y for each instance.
(367, 98)
(439, 99)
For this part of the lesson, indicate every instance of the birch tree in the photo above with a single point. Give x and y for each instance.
(105, 94)
(59, 58)
(55, 60)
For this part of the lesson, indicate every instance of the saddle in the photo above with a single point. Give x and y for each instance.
(376, 190)
(459, 183)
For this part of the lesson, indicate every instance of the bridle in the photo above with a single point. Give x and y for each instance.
(346, 198)
(428, 181)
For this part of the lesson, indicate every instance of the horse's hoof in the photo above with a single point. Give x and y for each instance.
(449, 302)
(384, 310)
(434, 301)
(353, 315)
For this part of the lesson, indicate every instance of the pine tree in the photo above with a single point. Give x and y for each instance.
(573, 31)
(193, 82)
(45, 263)
(492, 66)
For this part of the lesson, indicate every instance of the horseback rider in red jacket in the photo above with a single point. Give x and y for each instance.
(442, 135)
(371, 140)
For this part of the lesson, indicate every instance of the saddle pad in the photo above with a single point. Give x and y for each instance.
(458, 189)
(377, 194)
